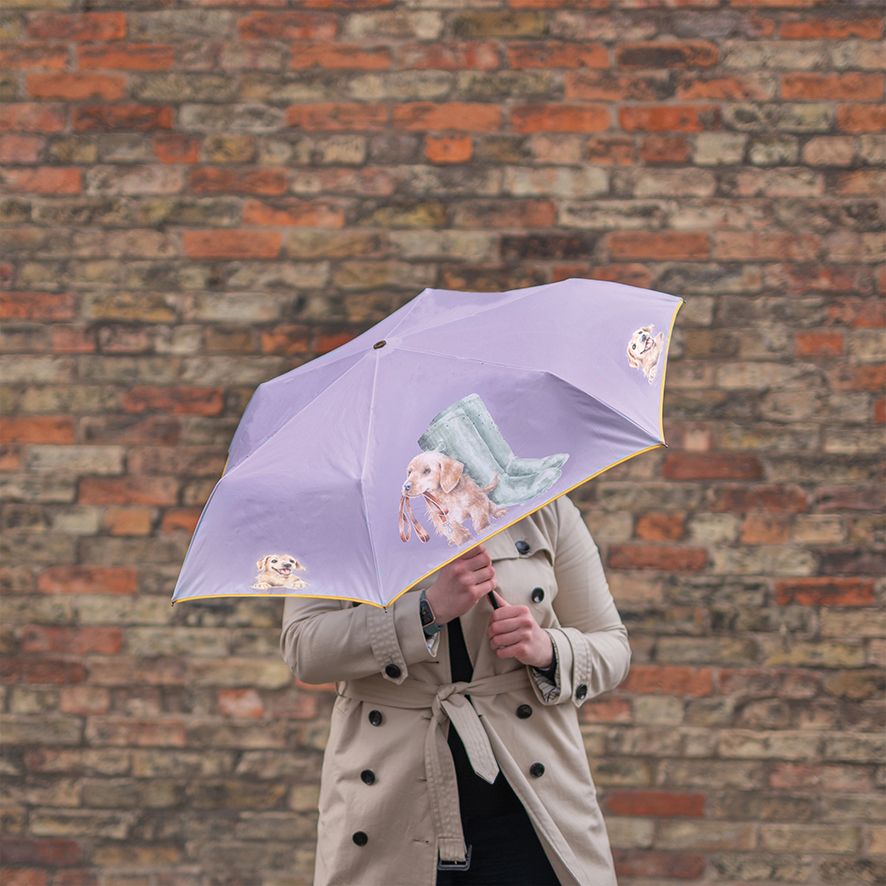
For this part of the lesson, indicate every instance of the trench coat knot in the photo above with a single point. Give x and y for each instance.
(447, 701)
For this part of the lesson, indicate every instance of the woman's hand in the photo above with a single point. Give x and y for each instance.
(513, 632)
(460, 584)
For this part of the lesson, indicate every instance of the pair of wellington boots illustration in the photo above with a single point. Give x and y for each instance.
(466, 432)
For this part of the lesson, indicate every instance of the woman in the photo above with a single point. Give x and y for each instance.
(430, 779)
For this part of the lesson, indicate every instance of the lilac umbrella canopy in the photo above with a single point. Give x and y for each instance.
(363, 471)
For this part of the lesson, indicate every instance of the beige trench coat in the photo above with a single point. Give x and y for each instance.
(387, 774)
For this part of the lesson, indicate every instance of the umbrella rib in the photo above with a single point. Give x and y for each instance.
(295, 415)
(362, 473)
(600, 400)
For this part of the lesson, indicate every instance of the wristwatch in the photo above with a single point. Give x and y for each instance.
(428, 619)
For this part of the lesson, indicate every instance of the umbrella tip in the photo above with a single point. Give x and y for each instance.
(380, 344)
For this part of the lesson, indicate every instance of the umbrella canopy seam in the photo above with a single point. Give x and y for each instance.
(600, 400)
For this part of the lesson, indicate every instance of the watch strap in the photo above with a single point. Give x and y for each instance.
(428, 621)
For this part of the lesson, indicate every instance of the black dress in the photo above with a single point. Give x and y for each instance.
(505, 848)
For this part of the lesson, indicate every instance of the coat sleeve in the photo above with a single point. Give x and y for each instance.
(326, 641)
(591, 645)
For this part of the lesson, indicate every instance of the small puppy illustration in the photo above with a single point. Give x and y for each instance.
(644, 351)
(451, 497)
(276, 571)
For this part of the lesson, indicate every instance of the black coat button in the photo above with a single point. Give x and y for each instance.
(368, 776)
(524, 711)
(360, 838)
(581, 690)
(375, 717)
(538, 594)
(537, 769)
(522, 546)
(392, 670)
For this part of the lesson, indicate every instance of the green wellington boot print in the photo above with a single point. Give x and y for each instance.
(473, 438)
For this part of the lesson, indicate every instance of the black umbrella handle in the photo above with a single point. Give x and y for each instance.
(493, 601)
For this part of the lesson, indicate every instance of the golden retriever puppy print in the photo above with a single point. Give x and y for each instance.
(277, 571)
(644, 350)
(451, 497)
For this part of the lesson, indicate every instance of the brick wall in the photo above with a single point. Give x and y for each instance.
(196, 199)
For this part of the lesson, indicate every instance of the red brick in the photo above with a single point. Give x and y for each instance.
(128, 490)
(861, 118)
(37, 429)
(176, 147)
(179, 520)
(276, 25)
(175, 400)
(668, 149)
(758, 497)
(666, 118)
(734, 88)
(819, 343)
(332, 116)
(831, 28)
(675, 680)
(121, 116)
(462, 116)
(448, 149)
(606, 708)
(23, 877)
(880, 411)
(614, 150)
(231, 244)
(666, 557)
(82, 579)
(128, 521)
(44, 180)
(854, 86)
(286, 338)
(864, 377)
(77, 640)
(559, 118)
(711, 466)
(770, 244)
(293, 212)
(859, 313)
(73, 86)
(217, 180)
(126, 56)
(657, 804)
(658, 246)
(43, 306)
(657, 865)
(29, 56)
(77, 26)
(453, 55)
(338, 55)
(71, 340)
(660, 526)
(21, 148)
(824, 591)
(667, 54)
(48, 670)
(31, 117)
(553, 54)
(24, 850)
(765, 529)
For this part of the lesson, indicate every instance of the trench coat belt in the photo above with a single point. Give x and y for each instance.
(447, 700)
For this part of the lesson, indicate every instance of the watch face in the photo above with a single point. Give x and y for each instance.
(427, 616)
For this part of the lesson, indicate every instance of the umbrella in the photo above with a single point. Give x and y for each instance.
(361, 472)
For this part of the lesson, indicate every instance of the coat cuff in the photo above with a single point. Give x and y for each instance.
(397, 638)
(560, 689)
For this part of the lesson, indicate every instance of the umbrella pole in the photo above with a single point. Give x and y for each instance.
(493, 601)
